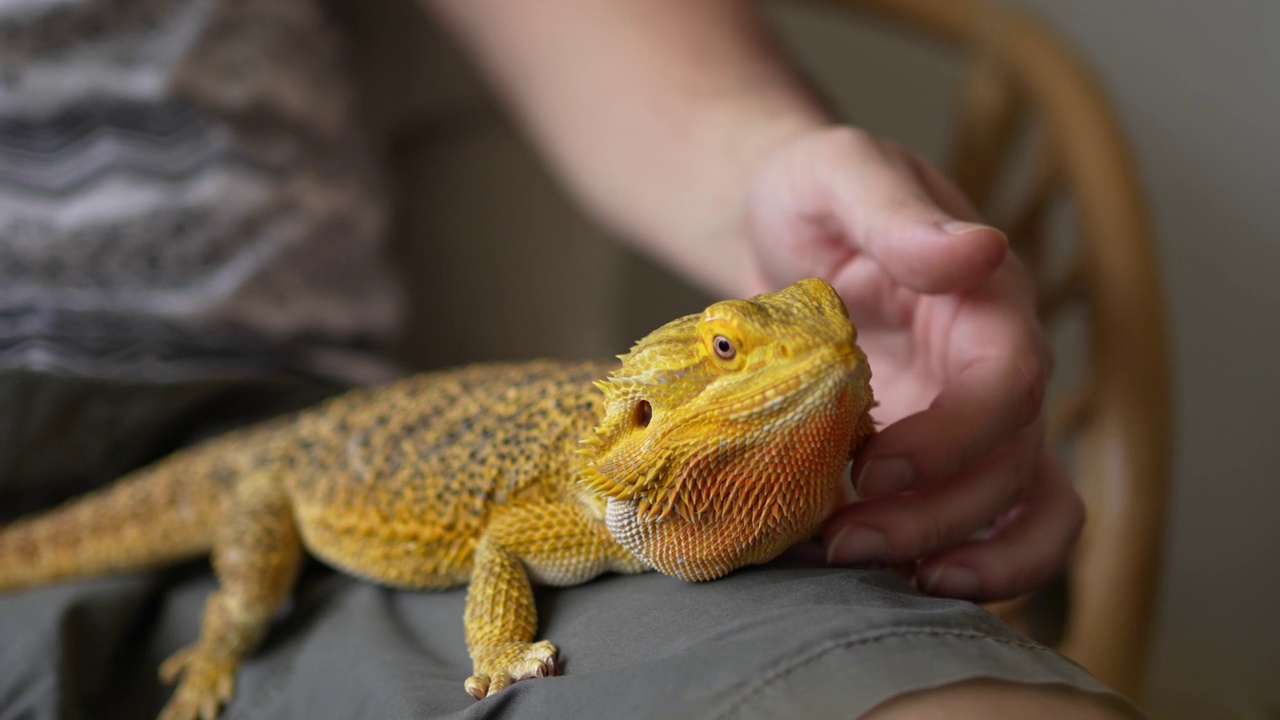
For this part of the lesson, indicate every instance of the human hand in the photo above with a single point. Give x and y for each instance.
(958, 477)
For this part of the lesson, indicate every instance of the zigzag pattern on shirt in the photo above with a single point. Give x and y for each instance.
(101, 344)
(106, 345)
(168, 165)
(33, 28)
(169, 123)
(58, 156)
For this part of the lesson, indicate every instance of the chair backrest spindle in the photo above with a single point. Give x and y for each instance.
(1117, 417)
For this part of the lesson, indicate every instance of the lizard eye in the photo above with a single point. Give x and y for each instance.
(724, 347)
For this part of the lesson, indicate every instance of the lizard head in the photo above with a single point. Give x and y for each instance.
(724, 434)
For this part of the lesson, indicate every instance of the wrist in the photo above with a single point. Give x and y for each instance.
(654, 113)
(704, 233)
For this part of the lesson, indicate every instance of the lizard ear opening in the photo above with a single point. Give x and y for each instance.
(643, 414)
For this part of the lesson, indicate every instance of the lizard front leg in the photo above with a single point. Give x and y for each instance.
(256, 557)
(552, 543)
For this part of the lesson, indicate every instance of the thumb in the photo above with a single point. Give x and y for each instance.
(910, 218)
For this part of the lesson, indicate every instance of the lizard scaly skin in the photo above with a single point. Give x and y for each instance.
(717, 442)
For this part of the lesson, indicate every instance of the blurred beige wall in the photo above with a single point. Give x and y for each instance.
(502, 266)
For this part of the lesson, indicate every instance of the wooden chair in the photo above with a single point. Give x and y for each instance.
(1117, 420)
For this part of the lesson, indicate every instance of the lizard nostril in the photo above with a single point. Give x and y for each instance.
(643, 413)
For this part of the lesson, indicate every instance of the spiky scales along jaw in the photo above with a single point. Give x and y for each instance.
(725, 434)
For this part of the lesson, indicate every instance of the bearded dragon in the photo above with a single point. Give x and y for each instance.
(717, 442)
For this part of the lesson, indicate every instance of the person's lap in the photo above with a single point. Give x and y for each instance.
(790, 639)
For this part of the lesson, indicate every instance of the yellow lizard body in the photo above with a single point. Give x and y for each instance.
(717, 442)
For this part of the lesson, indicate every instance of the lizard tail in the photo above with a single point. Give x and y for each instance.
(161, 514)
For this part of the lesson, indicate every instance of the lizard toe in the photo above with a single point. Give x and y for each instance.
(497, 683)
(172, 667)
(477, 686)
(206, 685)
(498, 666)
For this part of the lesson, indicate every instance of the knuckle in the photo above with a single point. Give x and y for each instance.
(925, 537)
(903, 156)
(1016, 484)
(851, 139)
(1033, 382)
(1030, 446)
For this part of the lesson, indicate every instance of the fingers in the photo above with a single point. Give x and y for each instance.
(910, 525)
(828, 201)
(993, 363)
(1030, 547)
(956, 310)
(978, 411)
(932, 479)
(886, 207)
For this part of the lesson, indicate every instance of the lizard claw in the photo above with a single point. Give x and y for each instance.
(207, 684)
(498, 666)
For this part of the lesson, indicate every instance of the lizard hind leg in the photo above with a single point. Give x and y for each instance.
(256, 556)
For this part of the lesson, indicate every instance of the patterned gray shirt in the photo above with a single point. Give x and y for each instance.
(185, 193)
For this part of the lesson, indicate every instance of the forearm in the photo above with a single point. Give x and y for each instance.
(653, 111)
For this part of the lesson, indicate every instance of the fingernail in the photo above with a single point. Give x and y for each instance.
(884, 476)
(961, 227)
(857, 543)
(952, 581)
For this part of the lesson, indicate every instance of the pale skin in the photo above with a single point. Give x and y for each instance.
(733, 173)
